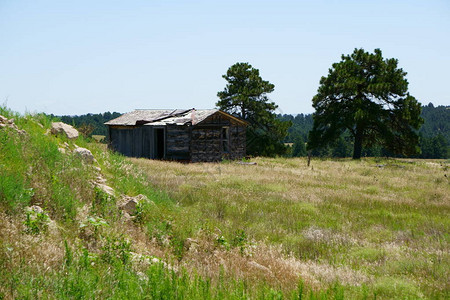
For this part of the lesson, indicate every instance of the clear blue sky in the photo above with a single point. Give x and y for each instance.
(75, 57)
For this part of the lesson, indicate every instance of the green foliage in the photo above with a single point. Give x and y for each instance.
(393, 287)
(32, 169)
(301, 126)
(139, 215)
(68, 254)
(369, 254)
(104, 204)
(245, 95)
(36, 222)
(222, 241)
(366, 96)
(437, 121)
(94, 223)
(342, 147)
(431, 143)
(168, 234)
(14, 188)
(299, 148)
(240, 240)
(434, 147)
(116, 249)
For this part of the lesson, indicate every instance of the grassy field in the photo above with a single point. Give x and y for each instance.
(77, 243)
(276, 230)
(375, 226)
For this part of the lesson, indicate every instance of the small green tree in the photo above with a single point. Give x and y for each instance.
(440, 146)
(299, 148)
(245, 96)
(367, 96)
(434, 147)
(340, 148)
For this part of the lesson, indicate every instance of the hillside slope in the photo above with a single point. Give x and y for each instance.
(134, 228)
(75, 228)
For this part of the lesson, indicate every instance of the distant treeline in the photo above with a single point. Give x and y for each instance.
(90, 124)
(434, 133)
(434, 136)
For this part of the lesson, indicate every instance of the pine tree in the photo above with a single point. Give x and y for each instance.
(245, 95)
(368, 97)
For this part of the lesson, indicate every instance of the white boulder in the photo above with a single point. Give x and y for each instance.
(85, 154)
(63, 128)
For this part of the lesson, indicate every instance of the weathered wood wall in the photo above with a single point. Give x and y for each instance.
(205, 144)
(133, 141)
(238, 142)
(207, 138)
(178, 142)
(202, 142)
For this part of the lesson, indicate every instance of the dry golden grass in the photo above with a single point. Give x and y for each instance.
(44, 252)
(362, 222)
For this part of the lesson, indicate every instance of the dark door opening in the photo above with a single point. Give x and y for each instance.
(159, 143)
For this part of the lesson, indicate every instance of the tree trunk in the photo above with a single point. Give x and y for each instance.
(357, 149)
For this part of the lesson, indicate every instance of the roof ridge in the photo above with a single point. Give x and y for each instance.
(176, 116)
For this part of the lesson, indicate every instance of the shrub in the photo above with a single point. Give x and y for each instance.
(36, 221)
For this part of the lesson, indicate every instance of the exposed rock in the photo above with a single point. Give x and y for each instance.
(63, 148)
(129, 204)
(142, 276)
(85, 154)
(35, 208)
(100, 179)
(105, 188)
(4, 122)
(142, 198)
(82, 213)
(151, 260)
(190, 244)
(100, 182)
(62, 128)
(130, 207)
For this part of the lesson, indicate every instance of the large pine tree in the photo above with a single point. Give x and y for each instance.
(367, 96)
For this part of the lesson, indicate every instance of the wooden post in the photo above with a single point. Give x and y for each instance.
(309, 157)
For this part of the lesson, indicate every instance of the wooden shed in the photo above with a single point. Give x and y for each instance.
(188, 135)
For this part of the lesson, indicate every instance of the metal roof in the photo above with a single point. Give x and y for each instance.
(165, 116)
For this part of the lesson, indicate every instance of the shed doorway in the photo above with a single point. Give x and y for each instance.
(159, 143)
